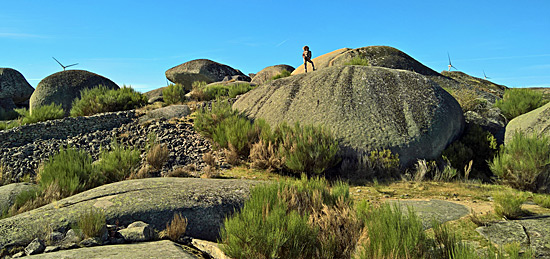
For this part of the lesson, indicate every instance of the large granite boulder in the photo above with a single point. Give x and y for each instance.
(534, 122)
(204, 202)
(269, 72)
(367, 108)
(63, 87)
(490, 90)
(200, 70)
(14, 86)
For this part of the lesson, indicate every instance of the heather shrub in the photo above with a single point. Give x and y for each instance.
(102, 99)
(520, 162)
(475, 145)
(358, 61)
(92, 223)
(118, 163)
(508, 204)
(8, 125)
(298, 219)
(235, 131)
(42, 113)
(282, 74)
(307, 149)
(215, 91)
(173, 93)
(542, 200)
(516, 102)
(207, 120)
(197, 92)
(467, 99)
(238, 89)
(71, 170)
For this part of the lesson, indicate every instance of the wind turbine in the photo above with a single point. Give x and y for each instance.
(485, 76)
(64, 66)
(450, 65)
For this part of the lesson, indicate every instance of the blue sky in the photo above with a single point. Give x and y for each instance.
(135, 42)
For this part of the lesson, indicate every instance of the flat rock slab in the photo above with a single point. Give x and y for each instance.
(204, 202)
(531, 232)
(158, 249)
(439, 210)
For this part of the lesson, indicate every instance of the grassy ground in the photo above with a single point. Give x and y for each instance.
(477, 197)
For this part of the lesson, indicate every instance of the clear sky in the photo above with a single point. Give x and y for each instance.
(135, 42)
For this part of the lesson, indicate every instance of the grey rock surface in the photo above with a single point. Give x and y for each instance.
(531, 232)
(534, 122)
(159, 249)
(37, 246)
(63, 87)
(137, 232)
(439, 210)
(204, 202)
(168, 112)
(9, 192)
(367, 108)
(14, 86)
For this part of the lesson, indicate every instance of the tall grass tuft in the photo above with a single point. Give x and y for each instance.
(176, 228)
(520, 162)
(508, 204)
(92, 223)
(391, 233)
(173, 93)
(157, 156)
(358, 61)
(102, 99)
(516, 102)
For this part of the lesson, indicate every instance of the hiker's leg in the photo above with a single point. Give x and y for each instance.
(305, 65)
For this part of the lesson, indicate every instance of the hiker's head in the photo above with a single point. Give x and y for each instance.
(306, 48)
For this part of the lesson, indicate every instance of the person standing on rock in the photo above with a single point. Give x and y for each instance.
(307, 58)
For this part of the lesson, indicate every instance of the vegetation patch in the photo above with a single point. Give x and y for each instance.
(92, 223)
(102, 99)
(41, 113)
(173, 94)
(282, 74)
(508, 204)
(118, 163)
(516, 102)
(203, 92)
(520, 162)
(358, 61)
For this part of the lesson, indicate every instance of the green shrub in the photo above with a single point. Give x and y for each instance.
(358, 61)
(174, 93)
(394, 234)
(216, 91)
(475, 144)
(118, 163)
(520, 162)
(508, 204)
(468, 99)
(72, 170)
(235, 131)
(207, 120)
(307, 149)
(542, 200)
(9, 125)
(284, 73)
(102, 99)
(197, 92)
(279, 221)
(449, 244)
(238, 89)
(92, 223)
(516, 102)
(42, 113)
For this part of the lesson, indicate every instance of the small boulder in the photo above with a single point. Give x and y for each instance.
(63, 87)
(168, 112)
(138, 232)
(200, 70)
(14, 86)
(534, 122)
(269, 72)
(37, 246)
(9, 192)
(155, 95)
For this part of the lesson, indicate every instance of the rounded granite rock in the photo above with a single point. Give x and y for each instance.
(14, 86)
(269, 72)
(63, 87)
(367, 108)
(200, 70)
